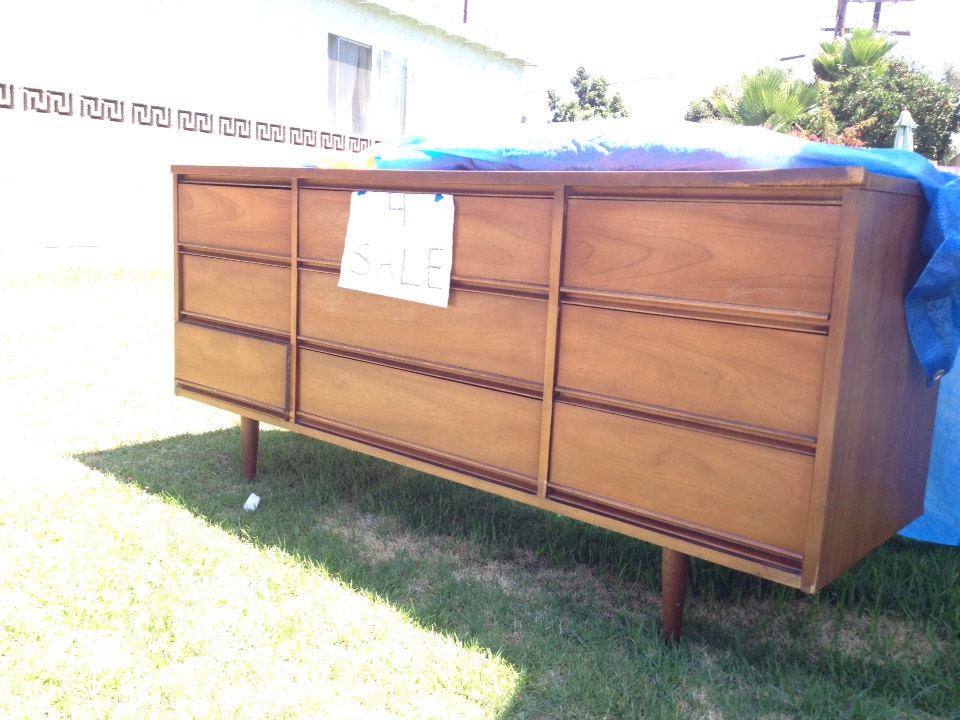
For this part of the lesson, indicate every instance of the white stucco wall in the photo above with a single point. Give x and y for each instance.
(69, 178)
(264, 58)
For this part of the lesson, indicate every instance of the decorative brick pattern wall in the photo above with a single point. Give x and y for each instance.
(93, 107)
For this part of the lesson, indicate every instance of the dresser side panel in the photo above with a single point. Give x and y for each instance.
(876, 429)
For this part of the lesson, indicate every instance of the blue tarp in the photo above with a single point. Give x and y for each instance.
(940, 521)
(932, 305)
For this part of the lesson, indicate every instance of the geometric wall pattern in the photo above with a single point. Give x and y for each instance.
(93, 107)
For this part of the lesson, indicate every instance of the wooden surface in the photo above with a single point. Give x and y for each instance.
(676, 569)
(210, 286)
(740, 253)
(714, 362)
(512, 329)
(749, 375)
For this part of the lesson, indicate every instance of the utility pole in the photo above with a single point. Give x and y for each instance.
(840, 28)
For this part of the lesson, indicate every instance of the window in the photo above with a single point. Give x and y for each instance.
(362, 101)
(350, 67)
(391, 94)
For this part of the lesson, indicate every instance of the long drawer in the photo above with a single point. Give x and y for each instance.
(743, 489)
(483, 332)
(421, 414)
(735, 253)
(748, 375)
(501, 239)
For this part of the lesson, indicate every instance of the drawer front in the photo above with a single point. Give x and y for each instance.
(323, 223)
(751, 375)
(494, 428)
(234, 364)
(502, 239)
(250, 293)
(776, 256)
(237, 218)
(478, 331)
(747, 490)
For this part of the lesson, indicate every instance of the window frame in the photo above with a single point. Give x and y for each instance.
(367, 87)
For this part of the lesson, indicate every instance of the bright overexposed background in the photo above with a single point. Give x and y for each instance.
(661, 55)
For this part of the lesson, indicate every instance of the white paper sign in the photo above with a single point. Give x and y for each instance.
(399, 245)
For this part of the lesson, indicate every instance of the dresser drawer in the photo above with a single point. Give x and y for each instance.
(323, 224)
(485, 426)
(501, 239)
(763, 255)
(236, 218)
(233, 290)
(482, 332)
(749, 375)
(733, 487)
(235, 365)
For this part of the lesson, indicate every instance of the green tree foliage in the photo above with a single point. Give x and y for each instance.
(858, 95)
(591, 102)
(862, 93)
(864, 47)
(769, 97)
(702, 110)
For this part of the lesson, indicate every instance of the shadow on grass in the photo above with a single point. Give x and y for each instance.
(573, 607)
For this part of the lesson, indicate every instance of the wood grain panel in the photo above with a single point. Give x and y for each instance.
(236, 364)
(238, 218)
(486, 426)
(504, 239)
(748, 490)
(878, 408)
(323, 223)
(246, 292)
(478, 331)
(768, 378)
(779, 256)
(500, 239)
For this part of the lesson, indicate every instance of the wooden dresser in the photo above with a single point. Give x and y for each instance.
(717, 363)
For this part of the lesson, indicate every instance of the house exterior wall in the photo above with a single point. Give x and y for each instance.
(101, 97)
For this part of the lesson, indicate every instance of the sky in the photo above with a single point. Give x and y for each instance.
(661, 54)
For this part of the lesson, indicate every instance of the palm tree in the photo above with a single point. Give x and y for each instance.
(863, 48)
(769, 97)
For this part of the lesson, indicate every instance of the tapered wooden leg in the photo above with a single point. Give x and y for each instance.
(674, 573)
(249, 442)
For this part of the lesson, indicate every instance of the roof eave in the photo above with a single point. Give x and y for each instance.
(459, 31)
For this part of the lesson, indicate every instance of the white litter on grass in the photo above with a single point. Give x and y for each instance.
(252, 502)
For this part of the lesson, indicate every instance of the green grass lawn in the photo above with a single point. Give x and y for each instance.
(133, 585)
